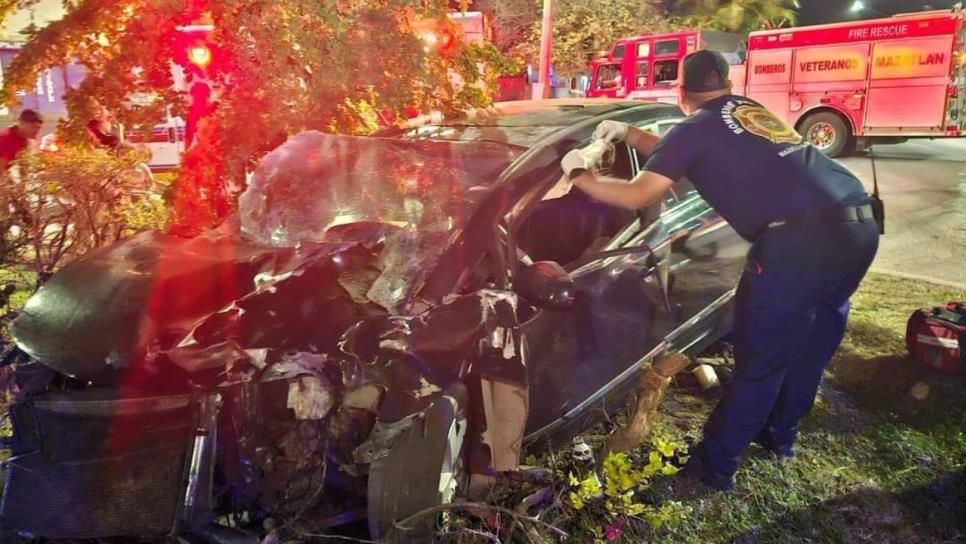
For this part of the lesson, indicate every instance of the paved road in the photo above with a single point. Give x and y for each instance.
(923, 183)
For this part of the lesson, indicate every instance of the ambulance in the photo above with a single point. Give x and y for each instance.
(847, 84)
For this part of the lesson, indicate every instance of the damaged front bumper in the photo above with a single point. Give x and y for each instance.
(261, 440)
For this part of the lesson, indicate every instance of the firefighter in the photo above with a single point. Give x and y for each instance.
(813, 238)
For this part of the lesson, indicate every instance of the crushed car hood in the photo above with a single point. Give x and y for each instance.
(328, 242)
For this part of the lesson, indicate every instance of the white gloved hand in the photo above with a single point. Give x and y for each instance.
(574, 160)
(611, 131)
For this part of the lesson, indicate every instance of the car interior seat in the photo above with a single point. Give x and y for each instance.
(567, 228)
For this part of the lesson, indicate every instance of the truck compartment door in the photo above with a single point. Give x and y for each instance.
(768, 76)
(908, 84)
(830, 76)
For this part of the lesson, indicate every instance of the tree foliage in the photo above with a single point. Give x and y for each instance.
(736, 15)
(7, 7)
(512, 20)
(581, 29)
(280, 67)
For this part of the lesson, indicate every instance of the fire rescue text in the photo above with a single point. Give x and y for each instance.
(888, 31)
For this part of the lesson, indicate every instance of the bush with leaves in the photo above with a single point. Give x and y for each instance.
(617, 498)
(58, 206)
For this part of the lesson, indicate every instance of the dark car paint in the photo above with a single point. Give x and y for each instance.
(621, 316)
(276, 341)
(623, 319)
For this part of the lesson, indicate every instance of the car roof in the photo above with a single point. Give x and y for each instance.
(520, 123)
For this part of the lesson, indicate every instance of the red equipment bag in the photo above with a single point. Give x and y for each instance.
(936, 338)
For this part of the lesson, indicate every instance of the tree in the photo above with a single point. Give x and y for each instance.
(736, 15)
(512, 20)
(278, 67)
(582, 28)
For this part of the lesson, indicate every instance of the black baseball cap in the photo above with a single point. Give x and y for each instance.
(30, 116)
(705, 71)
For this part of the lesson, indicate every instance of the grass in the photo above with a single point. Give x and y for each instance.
(874, 464)
(20, 279)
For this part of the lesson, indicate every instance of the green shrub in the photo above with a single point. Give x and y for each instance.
(58, 206)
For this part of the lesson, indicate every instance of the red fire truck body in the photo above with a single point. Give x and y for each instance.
(897, 77)
(838, 84)
(646, 67)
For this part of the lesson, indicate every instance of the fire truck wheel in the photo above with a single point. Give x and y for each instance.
(828, 132)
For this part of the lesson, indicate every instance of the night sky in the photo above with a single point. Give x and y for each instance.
(830, 11)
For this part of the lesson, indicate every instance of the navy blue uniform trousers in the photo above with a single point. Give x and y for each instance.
(791, 308)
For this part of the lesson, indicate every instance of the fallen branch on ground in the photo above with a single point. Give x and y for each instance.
(654, 380)
(528, 502)
(407, 523)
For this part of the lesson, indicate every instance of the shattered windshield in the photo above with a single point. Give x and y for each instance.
(405, 197)
(315, 182)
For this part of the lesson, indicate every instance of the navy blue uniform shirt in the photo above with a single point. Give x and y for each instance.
(751, 166)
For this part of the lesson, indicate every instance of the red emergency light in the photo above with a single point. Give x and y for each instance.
(442, 40)
(199, 55)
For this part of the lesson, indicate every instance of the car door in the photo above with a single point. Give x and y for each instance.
(582, 359)
(671, 289)
(704, 263)
(704, 260)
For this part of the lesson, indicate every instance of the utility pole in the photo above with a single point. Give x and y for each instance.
(542, 88)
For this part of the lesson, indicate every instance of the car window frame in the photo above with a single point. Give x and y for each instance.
(634, 231)
(675, 204)
(515, 216)
(646, 75)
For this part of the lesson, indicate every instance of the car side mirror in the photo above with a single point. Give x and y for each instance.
(660, 267)
(546, 285)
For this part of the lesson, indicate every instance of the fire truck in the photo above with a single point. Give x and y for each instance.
(467, 27)
(855, 83)
(646, 67)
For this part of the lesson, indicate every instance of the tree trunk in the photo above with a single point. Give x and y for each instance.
(654, 380)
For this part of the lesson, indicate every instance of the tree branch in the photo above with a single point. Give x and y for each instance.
(402, 524)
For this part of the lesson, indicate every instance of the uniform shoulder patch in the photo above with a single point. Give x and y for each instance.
(761, 122)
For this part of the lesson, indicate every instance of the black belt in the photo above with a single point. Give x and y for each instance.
(844, 214)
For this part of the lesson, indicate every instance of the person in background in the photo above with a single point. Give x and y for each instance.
(103, 135)
(101, 132)
(15, 139)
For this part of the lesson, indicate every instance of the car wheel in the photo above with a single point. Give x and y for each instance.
(828, 132)
(424, 469)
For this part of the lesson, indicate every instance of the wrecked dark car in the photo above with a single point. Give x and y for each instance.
(362, 338)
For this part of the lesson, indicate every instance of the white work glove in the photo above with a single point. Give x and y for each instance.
(611, 131)
(574, 160)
